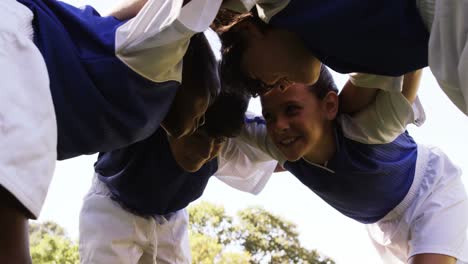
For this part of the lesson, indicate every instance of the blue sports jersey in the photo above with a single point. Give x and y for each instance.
(146, 180)
(370, 36)
(362, 181)
(100, 103)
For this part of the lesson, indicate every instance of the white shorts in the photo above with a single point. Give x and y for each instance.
(448, 46)
(28, 130)
(110, 234)
(435, 219)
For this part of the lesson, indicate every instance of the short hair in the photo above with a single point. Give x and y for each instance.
(225, 117)
(325, 83)
(228, 25)
(200, 65)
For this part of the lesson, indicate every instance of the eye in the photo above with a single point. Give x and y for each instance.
(292, 110)
(284, 83)
(257, 87)
(201, 121)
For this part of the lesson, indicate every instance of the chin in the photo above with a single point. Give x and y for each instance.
(291, 155)
(190, 167)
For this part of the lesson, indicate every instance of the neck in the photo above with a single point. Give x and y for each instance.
(323, 152)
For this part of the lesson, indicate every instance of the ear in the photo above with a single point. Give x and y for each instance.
(330, 105)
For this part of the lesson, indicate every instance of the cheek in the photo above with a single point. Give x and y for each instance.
(270, 129)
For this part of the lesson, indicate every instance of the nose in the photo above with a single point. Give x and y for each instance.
(281, 125)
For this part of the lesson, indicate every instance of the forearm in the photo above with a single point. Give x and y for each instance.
(411, 83)
(14, 241)
(354, 98)
(279, 168)
(126, 9)
(361, 90)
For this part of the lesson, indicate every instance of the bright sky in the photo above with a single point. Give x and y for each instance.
(320, 226)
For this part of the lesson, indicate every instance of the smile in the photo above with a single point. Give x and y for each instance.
(288, 141)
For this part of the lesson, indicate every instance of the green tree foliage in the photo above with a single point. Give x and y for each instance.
(50, 245)
(272, 239)
(212, 220)
(204, 248)
(257, 237)
(235, 258)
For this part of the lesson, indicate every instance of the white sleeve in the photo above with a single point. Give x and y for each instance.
(386, 83)
(154, 42)
(384, 120)
(244, 167)
(254, 133)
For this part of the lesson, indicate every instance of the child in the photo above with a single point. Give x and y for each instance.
(68, 93)
(367, 167)
(135, 210)
(348, 36)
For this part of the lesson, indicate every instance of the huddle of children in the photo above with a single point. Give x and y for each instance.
(143, 88)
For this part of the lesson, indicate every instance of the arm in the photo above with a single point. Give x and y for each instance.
(354, 98)
(129, 8)
(361, 90)
(279, 168)
(154, 42)
(411, 85)
(387, 116)
(14, 237)
(126, 9)
(244, 167)
(254, 134)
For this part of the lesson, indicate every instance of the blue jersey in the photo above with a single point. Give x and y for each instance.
(362, 181)
(370, 36)
(100, 103)
(146, 180)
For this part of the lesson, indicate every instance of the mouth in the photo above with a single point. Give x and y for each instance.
(288, 142)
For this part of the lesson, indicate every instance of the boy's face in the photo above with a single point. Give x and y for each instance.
(187, 111)
(296, 120)
(277, 58)
(191, 152)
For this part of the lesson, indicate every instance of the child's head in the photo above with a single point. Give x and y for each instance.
(200, 85)
(259, 57)
(300, 118)
(224, 119)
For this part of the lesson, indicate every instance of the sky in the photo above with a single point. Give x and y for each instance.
(320, 226)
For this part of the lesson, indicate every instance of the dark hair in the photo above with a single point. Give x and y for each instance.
(201, 66)
(229, 24)
(325, 83)
(225, 117)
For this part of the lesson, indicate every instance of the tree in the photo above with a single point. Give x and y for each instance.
(211, 220)
(270, 238)
(204, 248)
(235, 258)
(259, 237)
(49, 244)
